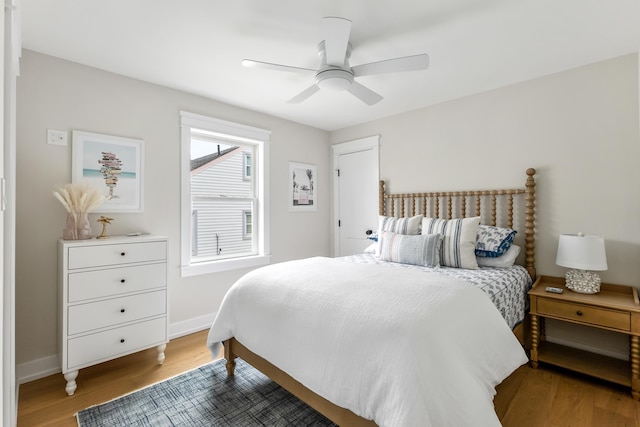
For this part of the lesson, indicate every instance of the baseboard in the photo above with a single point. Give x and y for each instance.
(50, 365)
(589, 348)
(39, 368)
(190, 326)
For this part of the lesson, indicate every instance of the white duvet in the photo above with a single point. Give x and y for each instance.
(403, 348)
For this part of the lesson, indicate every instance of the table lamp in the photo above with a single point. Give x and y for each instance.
(581, 253)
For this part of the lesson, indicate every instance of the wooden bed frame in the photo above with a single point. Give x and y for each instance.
(437, 204)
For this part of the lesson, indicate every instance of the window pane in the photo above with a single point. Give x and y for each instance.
(220, 229)
(223, 196)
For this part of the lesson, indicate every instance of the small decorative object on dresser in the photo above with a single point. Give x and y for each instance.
(113, 296)
(78, 200)
(104, 221)
(616, 308)
(580, 253)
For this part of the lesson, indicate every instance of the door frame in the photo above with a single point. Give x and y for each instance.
(361, 144)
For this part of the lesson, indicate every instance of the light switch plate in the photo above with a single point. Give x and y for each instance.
(56, 137)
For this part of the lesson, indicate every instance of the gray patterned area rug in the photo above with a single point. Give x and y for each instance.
(206, 397)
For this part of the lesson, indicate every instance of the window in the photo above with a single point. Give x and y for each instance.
(224, 195)
(246, 165)
(247, 231)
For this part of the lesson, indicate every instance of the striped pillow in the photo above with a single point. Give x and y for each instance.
(420, 249)
(398, 225)
(458, 241)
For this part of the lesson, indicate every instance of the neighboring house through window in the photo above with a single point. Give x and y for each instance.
(224, 195)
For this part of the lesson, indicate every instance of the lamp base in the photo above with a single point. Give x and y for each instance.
(583, 282)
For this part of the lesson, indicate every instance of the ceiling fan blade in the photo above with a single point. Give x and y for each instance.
(406, 63)
(336, 39)
(364, 94)
(304, 95)
(277, 67)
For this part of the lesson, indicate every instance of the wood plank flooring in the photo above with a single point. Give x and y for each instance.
(544, 397)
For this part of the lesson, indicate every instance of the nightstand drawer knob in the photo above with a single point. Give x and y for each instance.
(122, 340)
(122, 310)
(122, 253)
(579, 313)
(122, 280)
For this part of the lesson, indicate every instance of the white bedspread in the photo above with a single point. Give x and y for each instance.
(404, 348)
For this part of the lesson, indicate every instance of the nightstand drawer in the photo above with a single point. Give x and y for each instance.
(585, 314)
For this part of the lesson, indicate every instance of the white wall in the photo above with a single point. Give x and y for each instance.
(578, 128)
(57, 94)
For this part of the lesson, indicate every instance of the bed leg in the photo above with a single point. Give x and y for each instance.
(230, 356)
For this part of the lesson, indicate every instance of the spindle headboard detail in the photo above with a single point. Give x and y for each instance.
(495, 207)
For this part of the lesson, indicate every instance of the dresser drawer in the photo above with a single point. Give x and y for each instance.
(90, 349)
(103, 283)
(115, 311)
(585, 313)
(115, 254)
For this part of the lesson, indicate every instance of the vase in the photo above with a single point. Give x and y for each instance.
(77, 226)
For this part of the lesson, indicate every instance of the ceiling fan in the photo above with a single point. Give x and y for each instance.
(335, 73)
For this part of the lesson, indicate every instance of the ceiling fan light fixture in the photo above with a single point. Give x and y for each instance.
(334, 79)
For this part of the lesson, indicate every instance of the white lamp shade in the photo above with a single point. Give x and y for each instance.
(582, 252)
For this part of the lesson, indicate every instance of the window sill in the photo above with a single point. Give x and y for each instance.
(224, 265)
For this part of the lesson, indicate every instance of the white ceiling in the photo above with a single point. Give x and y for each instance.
(197, 46)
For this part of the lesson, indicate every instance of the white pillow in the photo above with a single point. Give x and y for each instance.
(458, 242)
(408, 249)
(371, 249)
(505, 260)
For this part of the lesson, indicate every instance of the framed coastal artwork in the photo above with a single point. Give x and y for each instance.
(303, 188)
(112, 164)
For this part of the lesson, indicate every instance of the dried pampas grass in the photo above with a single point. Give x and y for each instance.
(78, 197)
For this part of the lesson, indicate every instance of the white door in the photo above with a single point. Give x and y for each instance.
(356, 188)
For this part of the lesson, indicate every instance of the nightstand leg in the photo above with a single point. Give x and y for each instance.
(161, 349)
(534, 341)
(635, 367)
(71, 382)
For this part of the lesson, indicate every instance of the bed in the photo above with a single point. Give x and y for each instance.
(381, 339)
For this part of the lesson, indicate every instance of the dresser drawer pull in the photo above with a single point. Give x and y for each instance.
(122, 340)
(122, 280)
(122, 310)
(579, 313)
(123, 253)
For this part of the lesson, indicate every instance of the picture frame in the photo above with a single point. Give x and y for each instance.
(303, 188)
(112, 164)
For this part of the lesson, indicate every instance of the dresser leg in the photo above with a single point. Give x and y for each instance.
(71, 382)
(534, 341)
(161, 349)
(635, 367)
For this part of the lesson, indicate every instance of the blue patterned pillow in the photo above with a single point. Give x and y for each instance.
(458, 240)
(493, 241)
(421, 249)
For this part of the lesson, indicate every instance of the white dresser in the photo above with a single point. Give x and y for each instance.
(113, 300)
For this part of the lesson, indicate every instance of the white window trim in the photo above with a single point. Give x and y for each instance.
(248, 135)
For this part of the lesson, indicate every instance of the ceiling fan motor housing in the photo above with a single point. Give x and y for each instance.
(334, 79)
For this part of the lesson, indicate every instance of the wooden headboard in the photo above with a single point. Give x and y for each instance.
(495, 207)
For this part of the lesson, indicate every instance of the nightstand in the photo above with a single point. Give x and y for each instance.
(614, 308)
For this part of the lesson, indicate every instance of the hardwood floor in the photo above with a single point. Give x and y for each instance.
(45, 403)
(544, 397)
